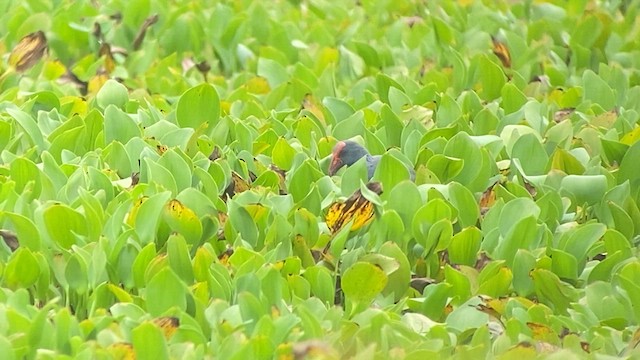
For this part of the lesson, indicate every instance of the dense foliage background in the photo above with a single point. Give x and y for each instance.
(164, 187)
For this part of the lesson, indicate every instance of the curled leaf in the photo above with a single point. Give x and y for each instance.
(29, 51)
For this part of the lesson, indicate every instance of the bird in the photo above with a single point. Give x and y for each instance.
(348, 152)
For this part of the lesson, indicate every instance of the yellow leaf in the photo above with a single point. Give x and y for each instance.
(225, 107)
(109, 61)
(122, 351)
(96, 82)
(605, 120)
(168, 325)
(631, 137)
(543, 333)
(131, 218)
(256, 211)
(257, 85)
(183, 220)
(309, 103)
(29, 51)
(356, 208)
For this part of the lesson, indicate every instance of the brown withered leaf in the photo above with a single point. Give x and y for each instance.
(10, 239)
(137, 42)
(356, 208)
(28, 51)
(501, 50)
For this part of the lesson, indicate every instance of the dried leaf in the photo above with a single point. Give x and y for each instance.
(109, 61)
(143, 31)
(168, 325)
(215, 154)
(356, 208)
(487, 199)
(237, 185)
(135, 178)
(10, 239)
(161, 149)
(501, 50)
(224, 257)
(222, 220)
(420, 283)
(282, 175)
(29, 51)
(563, 114)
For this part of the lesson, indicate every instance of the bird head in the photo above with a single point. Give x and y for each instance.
(346, 153)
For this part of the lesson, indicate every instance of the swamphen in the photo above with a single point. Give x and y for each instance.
(346, 153)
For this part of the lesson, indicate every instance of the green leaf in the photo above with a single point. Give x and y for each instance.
(22, 270)
(64, 225)
(464, 246)
(492, 78)
(179, 260)
(119, 126)
(76, 274)
(164, 292)
(390, 171)
(363, 281)
(398, 280)
(112, 93)
(149, 342)
(445, 167)
(197, 106)
(597, 90)
(551, 291)
(283, 154)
